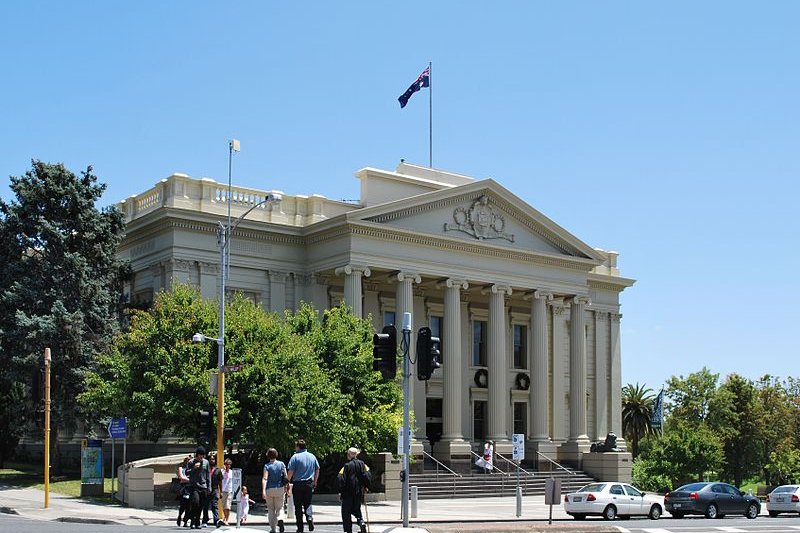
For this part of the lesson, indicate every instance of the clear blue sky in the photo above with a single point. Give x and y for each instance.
(668, 132)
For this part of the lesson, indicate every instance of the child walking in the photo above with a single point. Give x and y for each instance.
(244, 505)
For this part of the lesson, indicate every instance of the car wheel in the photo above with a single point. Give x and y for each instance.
(712, 511)
(610, 513)
(677, 514)
(752, 511)
(773, 514)
(655, 512)
(579, 516)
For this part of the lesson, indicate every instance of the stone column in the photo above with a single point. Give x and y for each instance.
(498, 368)
(560, 359)
(601, 381)
(352, 286)
(539, 440)
(578, 442)
(453, 450)
(616, 381)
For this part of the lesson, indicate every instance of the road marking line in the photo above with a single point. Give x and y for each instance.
(656, 530)
(731, 529)
(622, 529)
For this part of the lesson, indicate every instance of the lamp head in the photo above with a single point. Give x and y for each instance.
(274, 197)
(198, 337)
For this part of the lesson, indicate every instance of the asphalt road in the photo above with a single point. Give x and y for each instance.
(762, 524)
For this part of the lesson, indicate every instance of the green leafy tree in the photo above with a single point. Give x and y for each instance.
(637, 411)
(682, 454)
(736, 418)
(691, 397)
(300, 376)
(60, 282)
(784, 464)
(12, 406)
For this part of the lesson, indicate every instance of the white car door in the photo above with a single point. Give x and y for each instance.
(620, 500)
(636, 501)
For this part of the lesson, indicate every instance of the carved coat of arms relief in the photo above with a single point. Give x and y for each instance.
(479, 221)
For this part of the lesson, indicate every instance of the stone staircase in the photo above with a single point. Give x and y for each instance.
(477, 484)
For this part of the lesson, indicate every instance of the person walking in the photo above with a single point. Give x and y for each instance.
(185, 492)
(353, 481)
(216, 487)
(226, 492)
(199, 481)
(274, 487)
(244, 505)
(303, 470)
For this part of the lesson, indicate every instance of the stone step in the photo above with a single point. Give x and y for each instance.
(431, 485)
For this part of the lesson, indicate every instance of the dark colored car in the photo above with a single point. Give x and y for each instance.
(714, 500)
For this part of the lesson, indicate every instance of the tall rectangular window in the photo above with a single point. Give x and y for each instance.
(479, 343)
(521, 418)
(437, 328)
(388, 318)
(479, 408)
(520, 346)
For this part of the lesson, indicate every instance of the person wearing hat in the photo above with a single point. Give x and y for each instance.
(199, 483)
(353, 481)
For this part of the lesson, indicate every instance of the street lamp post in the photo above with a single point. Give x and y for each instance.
(224, 234)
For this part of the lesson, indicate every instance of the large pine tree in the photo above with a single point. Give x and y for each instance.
(60, 285)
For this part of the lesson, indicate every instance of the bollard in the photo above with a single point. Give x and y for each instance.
(290, 506)
(414, 494)
(519, 502)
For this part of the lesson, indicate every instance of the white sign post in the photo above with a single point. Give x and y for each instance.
(401, 442)
(518, 454)
(236, 490)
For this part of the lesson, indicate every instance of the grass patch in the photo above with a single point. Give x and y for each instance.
(28, 476)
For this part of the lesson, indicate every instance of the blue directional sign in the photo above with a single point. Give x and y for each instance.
(118, 428)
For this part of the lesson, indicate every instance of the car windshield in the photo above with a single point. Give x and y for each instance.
(692, 487)
(786, 488)
(594, 487)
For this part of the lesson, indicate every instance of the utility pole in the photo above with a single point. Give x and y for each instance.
(47, 361)
(405, 343)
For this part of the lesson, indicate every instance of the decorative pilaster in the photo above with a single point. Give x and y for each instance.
(616, 380)
(498, 367)
(208, 280)
(352, 286)
(560, 358)
(601, 376)
(277, 291)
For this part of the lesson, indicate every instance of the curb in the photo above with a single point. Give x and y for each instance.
(79, 520)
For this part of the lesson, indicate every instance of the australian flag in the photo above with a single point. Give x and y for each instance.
(657, 418)
(424, 80)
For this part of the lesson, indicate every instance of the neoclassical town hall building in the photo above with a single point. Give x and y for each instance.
(528, 314)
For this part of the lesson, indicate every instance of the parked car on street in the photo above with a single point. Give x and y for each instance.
(714, 500)
(611, 500)
(784, 499)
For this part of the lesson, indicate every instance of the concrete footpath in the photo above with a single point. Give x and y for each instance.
(435, 516)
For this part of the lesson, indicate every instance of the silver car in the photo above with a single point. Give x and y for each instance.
(784, 499)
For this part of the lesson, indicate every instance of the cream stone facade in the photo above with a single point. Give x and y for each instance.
(529, 315)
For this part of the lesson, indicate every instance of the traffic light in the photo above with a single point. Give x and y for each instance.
(427, 354)
(384, 352)
(204, 427)
(227, 436)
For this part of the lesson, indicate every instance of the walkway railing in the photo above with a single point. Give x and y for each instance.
(440, 464)
(559, 465)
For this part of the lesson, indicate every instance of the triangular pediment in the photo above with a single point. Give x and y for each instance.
(479, 212)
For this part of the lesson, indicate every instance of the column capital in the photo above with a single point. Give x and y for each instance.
(601, 316)
(580, 299)
(497, 288)
(402, 276)
(208, 268)
(350, 269)
(615, 317)
(453, 282)
(277, 276)
(538, 295)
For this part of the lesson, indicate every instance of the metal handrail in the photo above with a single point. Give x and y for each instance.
(439, 463)
(567, 470)
(495, 467)
(518, 467)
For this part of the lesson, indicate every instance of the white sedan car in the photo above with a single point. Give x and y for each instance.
(610, 500)
(784, 499)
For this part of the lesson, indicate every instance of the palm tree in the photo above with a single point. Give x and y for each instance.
(637, 409)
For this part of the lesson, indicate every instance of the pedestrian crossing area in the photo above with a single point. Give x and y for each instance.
(761, 527)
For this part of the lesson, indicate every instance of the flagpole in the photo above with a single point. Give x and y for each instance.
(430, 114)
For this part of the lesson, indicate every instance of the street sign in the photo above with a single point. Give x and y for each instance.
(236, 478)
(400, 442)
(552, 491)
(118, 428)
(232, 368)
(518, 443)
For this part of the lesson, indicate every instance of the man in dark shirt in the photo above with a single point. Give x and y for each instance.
(199, 483)
(353, 481)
